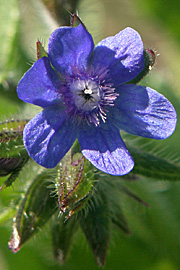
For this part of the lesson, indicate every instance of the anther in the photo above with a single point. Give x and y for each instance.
(88, 91)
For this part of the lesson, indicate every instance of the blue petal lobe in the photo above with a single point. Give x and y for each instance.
(39, 84)
(70, 47)
(122, 54)
(48, 137)
(105, 149)
(143, 111)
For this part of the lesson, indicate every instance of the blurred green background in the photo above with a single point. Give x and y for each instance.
(154, 243)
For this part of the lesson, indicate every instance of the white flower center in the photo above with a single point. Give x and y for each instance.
(86, 94)
(88, 91)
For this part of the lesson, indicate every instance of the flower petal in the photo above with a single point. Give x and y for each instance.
(143, 111)
(105, 149)
(122, 54)
(48, 137)
(70, 47)
(39, 84)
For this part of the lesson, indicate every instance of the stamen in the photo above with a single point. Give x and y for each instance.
(88, 91)
(88, 95)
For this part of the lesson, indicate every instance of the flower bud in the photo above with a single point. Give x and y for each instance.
(13, 154)
(74, 183)
(149, 61)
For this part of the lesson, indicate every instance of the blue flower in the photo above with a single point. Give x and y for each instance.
(85, 95)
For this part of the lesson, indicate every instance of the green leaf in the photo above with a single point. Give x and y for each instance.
(112, 187)
(37, 207)
(152, 166)
(62, 235)
(132, 195)
(96, 226)
(118, 218)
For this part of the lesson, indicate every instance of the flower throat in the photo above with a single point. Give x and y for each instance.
(89, 96)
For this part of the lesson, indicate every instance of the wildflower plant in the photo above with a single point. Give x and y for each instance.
(88, 95)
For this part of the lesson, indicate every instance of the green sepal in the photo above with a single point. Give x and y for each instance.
(76, 148)
(112, 188)
(38, 205)
(62, 235)
(133, 195)
(95, 223)
(75, 21)
(74, 183)
(40, 50)
(118, 218)
(149, 61)
(152, 166)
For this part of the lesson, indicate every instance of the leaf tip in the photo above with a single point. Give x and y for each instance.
(15, 240)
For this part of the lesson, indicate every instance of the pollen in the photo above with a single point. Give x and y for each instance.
(85, 95)
(88, 91)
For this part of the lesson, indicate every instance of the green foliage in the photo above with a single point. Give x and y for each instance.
(151, 166)
(35, 210)
(62, 234)
(96, 226)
